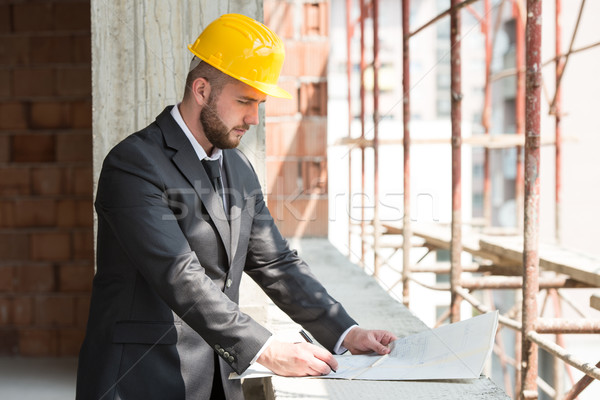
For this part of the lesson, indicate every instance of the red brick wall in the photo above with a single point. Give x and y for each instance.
(296, 130)
(46, 220)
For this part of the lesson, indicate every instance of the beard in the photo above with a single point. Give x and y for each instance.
(215, 130)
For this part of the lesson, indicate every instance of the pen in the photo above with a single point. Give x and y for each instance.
(309, 340)
(305, 336)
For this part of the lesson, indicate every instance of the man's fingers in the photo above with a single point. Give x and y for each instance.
(327, 358)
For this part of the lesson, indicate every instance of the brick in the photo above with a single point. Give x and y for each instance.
(38, 342)
(12, 116)
(278, 107)
(75, 213)
(300, 217)
(76, 278)
(31, 17)
(7, 279)
(54, 246)
(72, 147)
(279, 16)
(82, 48)
(81, 114)
(294, 59)
(5, 18)
(36, 278)
(313, 99)
(83, 245)
(55, 49)
(14, 181)
(7, 214)
(34, 82)
(314, 177)
(14, 50)
(55, 310)
(283, 177)
(282, 138)
(33, 148)
(82, 181)
(315, 57)
(313, 137)
(316, 19)
(48, 181)
(22, 311)
(5, 311)
(74, 81)
(9, 342)
(14, 246)
(5, 148)
(5, 83)
(69, 341)
(16, 311)
(82, 310)
(34, 212)
(49, 115)
(72, 16)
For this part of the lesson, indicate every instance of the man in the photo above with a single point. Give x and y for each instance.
(180, 216)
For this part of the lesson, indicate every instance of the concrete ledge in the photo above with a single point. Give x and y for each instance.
(372, 307)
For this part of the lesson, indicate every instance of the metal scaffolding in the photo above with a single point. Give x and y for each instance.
(517, 262)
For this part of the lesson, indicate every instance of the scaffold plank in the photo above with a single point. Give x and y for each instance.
(582, 267)
(595, 301)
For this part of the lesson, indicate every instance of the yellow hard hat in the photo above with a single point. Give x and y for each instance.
(244, 49)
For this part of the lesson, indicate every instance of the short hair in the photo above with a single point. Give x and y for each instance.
(216, 78)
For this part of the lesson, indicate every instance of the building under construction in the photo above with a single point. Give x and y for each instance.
(477, 109)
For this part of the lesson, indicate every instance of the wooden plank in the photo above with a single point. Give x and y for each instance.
(582, 267)
(595, 301)
(438, 236)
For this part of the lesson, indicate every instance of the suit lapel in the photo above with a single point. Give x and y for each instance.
(190, 166)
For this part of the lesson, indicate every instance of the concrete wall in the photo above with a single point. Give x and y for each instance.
(140, 62)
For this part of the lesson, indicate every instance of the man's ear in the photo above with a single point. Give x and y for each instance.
(201, 91)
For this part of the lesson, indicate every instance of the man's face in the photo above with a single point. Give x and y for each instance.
(227, 116)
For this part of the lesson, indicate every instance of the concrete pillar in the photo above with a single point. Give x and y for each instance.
(140, 61)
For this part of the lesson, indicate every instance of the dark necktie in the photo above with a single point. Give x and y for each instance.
(213, 169)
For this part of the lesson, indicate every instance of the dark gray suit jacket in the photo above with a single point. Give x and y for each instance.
(169, 265)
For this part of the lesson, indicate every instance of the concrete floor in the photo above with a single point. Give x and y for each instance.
(37, 378)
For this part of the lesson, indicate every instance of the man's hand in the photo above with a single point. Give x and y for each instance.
(297, 359)
(362, 341)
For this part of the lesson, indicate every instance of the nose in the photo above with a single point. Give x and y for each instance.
(252, 116)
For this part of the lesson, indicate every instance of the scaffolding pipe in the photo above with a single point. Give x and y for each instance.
(363, 227)
(349, 31)
(487, 113)
(562, 325)
(376, 222)
(533, 37)
(407, 233)
(561, 353)
(557, 123)
(456, 6)
(485, 309)
(519, 106)
(455, 115)
(579, 386)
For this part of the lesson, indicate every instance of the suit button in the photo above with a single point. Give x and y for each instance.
(226, 355)
(221, 351)
(228, 283)
(231, 359)
(217, 346)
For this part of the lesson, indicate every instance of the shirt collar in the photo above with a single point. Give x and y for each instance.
(217, 153)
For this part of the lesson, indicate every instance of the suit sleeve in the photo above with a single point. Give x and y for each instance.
(288, 281)
(130, 201)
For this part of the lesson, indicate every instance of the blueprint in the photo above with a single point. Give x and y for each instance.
(455, 351)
